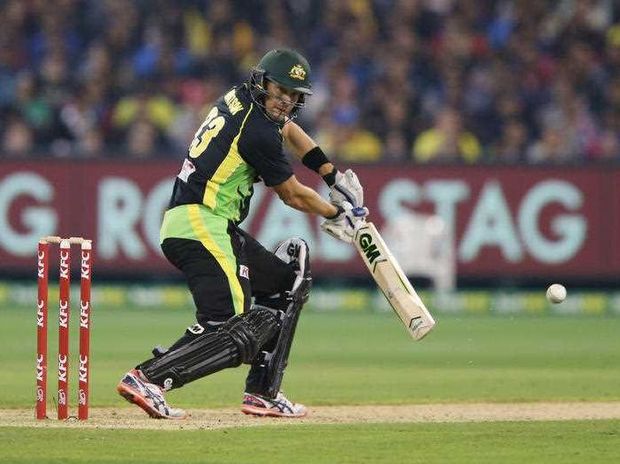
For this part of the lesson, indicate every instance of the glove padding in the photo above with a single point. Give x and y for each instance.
(344, 226)
(347, 188)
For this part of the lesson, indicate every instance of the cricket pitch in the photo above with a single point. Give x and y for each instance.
(205, 419)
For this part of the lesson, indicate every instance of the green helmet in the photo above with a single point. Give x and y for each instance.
(287, 68)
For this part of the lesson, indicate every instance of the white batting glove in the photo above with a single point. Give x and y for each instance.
(344, 226)
(347, 188)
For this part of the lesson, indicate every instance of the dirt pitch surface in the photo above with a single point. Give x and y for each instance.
(134, 418)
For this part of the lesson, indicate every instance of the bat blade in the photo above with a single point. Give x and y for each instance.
(393, 282)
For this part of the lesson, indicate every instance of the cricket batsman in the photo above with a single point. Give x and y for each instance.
(240, 143)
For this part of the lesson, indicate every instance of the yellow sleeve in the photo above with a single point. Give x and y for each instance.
(161, 112)
(425, 146)
(470, 147)
(124, 112)
(364, 146)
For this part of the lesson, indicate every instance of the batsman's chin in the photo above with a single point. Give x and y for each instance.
(278, 116)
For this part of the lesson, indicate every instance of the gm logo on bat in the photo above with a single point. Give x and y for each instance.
(369, 248)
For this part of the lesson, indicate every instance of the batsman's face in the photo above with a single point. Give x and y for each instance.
(280, 101)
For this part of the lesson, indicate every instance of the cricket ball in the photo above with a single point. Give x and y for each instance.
(556, 293)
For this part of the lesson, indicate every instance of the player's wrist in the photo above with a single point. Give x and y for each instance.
(339, 211)
(330, 177)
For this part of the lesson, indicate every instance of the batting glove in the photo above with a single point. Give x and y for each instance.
(347, 188)
(344, 225)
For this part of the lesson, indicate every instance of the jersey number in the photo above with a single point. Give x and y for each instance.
(210, 128)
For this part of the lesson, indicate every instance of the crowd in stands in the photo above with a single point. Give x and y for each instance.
(419, 81)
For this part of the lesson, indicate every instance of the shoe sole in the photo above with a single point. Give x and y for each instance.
(262, 412)
(135, 398)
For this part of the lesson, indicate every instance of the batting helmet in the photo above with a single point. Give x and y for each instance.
(285, 67)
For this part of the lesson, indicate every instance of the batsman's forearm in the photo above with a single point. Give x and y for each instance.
(308, 201)
(302, 144)
(297, 139)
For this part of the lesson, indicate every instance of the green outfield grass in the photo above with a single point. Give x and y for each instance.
(343, 358)
(502, 442)
(355, 358)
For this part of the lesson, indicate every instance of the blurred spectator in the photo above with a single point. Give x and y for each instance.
(569, 114)
(511, 147)
(141, 141)
(78, 117)
(32, 107)
(610, 138)
(446, 141)
(396, 147)
(142, 120)
(90, 144)
(348, 141)
(196, 99)
(17, 139)
(158, 109)
(82, 73)
(56, 85)
(552, 147)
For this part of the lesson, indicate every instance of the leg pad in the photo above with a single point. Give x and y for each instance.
(238, 340)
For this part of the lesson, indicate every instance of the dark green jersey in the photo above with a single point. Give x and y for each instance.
(234, 147)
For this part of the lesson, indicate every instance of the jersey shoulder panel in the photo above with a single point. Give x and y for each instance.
(262, 133)
(218, 130)
(235, 103)
(260, 145)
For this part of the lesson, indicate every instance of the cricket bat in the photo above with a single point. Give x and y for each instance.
(393, 282)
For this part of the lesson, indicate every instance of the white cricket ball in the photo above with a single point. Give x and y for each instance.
(556, 293)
